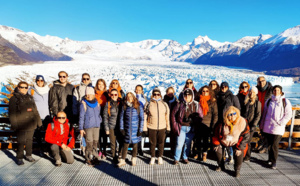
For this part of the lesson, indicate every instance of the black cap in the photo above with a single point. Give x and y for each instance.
(277, 86)
(224, 84)
(188, 92)
(156, 89)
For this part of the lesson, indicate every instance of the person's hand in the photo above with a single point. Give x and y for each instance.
(238, 152)
(145, 133)
(68, 149)
(64, 146)
(168, 132)
(139, 134)
(123, 132)
(82, 132)
(216, 148)
(107, 132)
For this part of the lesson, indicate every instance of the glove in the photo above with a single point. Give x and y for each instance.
(145, 134)
(123, 132)
(168, 132)
(139, 134)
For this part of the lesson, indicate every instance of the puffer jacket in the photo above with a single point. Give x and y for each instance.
(55, 137)
(252, 113)
(211, 118)
(240, 134)
(111, 116)
(61, 98)
(23, 114)
(89, 116)
(225, 100)
(40, 96)
(132, 120)
(179, 113)
(275, 116)
(156, 115)
(78, 95)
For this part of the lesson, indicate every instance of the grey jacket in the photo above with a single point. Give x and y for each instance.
(111, 116)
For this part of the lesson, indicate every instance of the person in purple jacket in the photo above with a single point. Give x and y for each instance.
(277, 112)
(89, 125)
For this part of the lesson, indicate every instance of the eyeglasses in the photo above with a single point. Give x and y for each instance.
(190, 82)
(261, 81)
(244, 87)
(232, 114)
(61, 117)
(62, 76)
(85, 79)
(23, 87)
(114, 94)
(156, 94)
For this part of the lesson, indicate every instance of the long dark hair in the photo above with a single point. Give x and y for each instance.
(100, 80)
(211, 93)
(135, 103)
(218, 86)
(185, 86)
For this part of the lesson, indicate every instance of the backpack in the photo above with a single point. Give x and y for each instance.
(283, 102)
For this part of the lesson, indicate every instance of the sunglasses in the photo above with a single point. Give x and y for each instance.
(62, 76)
(115, 83)
(232, 114)
(156, 94)
(214, 84)
(262, 81)
(190, 82)
(244, 87)
(23, 87)
(85, 79)
(114, 94)
(223, 87)
(61, 117)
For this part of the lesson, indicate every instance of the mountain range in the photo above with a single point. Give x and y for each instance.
(260, 53)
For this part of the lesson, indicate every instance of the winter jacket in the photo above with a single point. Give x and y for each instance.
(60, 98)
(184, 113)
(172, 104)
(132, 120)
(23, 114)
(252, 113)
(40, 96)
(54, 135)
(156, 115)
(89, 116)
(211, 118)
(181, 98)
(240, 134)
(111, 116)
(225, 100)
(142, 99)
(78, 95)
(275, 116)
(241, 98)
(264, 94)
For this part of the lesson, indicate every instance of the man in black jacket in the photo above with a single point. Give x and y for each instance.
(61, 95)
(24, 119)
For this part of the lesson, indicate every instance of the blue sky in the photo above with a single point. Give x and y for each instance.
(130, 20)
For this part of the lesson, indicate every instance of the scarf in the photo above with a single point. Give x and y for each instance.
(244, 93)
(129, 104)
(262, 89)
(119, 91)
(156, 99)
(41, 90)
(204, 104)
(101, 97)
(93, 103)
(141, 99)
(231, 125)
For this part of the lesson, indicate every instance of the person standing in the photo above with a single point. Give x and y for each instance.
(214, 85)
(60, 135)
(24, 119)
(114, 84)
(156, 124)
(188, 84)
(277, 113)
(243, 92)
(131, 126)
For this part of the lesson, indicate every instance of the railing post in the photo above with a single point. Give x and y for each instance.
(291, 130)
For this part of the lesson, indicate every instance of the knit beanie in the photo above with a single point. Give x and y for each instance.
(89, 90)
(253, 88)
(156, 89)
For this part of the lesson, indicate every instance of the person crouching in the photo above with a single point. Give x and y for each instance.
(89, 125)
(61, 136)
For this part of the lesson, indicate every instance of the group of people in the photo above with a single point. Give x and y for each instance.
(211, 118)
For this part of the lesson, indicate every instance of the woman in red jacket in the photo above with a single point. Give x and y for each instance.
(61, 136)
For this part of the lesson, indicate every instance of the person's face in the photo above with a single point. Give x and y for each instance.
(170, 93)
(205, 92)
(277, 91)
(115, 84)
(245, 87)
(261, 82)
(40, 83)
(114, 95)
(188, 98)
(224, 89)
(138, 90)
(63, 78)
(90, 97)
(130, 98)
(232, 116)
(23, 88)
(101, 86)
(189, 84)
(252, 94)
(156, 95)
(61, 117)
(86, 79)
(213, 85)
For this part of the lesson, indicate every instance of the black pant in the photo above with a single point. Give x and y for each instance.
(125, 150)
(273, 146)
(202, 138)
(248, 154)
(24, 138)
(157, 137)
(238, 160)
(102, 140)
(114, 137)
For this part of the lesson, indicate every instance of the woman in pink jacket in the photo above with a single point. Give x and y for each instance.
(277, 112)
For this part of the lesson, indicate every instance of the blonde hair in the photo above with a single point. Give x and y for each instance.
(225, 118)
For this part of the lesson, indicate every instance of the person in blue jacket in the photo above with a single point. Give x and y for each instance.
(131, 126)
(89, 125)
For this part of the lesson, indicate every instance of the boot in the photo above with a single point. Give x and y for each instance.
(122, 163)
(58, 163)
(20, 162)
(204, 157)
(237, 173)
(160, 161)
(133, 161)
(152, 161)
(29, 158)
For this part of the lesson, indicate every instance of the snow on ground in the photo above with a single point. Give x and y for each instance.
(147, 73)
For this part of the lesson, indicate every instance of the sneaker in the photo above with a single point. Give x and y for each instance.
(176, 162)
(152, 161)
(218, 169)
(196, 157)
(237, 174)
(122, 163)
(100, 154)
(58, 163)
(264, 150)
(29, 158)
(186, 161)
(246, 160)
(89, 163)
(274, 166)
(133, 161)
(204, 157)
(160, 161)
(20, 162)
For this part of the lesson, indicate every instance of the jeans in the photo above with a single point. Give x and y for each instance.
(185, 138)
